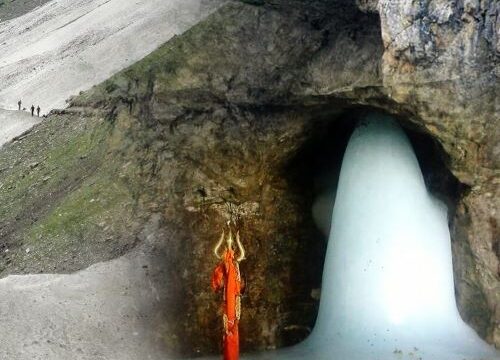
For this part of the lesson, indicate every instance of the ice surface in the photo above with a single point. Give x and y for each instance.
(388, 281)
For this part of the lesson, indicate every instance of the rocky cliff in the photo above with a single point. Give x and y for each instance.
(230, 118)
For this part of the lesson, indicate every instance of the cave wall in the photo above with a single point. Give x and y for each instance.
(237, 95)
(209, 126)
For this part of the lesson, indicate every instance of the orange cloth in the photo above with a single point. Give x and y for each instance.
(227, 276)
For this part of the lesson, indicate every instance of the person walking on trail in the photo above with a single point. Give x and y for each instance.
(38, 111)
(32, 110)
(19, 103)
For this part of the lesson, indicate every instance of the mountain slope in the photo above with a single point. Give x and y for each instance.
(67, 46)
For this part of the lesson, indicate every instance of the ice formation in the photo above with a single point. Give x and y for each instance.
(388, 281)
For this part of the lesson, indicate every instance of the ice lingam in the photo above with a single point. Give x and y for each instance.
(388, 281)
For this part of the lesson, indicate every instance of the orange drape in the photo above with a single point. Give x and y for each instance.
(226, 276)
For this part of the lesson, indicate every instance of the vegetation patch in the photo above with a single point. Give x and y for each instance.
(64, 205)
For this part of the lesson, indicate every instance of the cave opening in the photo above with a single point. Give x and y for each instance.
(314, 172)
(388, 282)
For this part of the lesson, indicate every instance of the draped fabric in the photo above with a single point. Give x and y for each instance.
(226, 277)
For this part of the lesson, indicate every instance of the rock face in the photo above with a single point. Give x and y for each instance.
(228, 117)
(442, 60)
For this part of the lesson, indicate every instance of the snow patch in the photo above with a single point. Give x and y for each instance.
(67, 46)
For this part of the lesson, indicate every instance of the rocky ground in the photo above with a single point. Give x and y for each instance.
(56, 159)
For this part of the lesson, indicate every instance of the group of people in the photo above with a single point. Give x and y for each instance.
(20, 103)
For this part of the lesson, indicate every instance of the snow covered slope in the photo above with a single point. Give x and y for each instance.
(13, 123)
(67, 46)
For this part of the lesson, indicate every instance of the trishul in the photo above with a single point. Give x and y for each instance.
(229, 244)
(227, 277)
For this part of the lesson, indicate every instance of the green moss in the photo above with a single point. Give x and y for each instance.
(177, 65)
(83, 219)
(110, 87)
(62, 198)
(44, 166)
